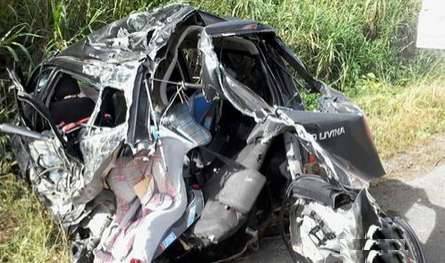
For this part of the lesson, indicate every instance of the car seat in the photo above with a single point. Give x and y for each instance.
(66, 106)
(113, 109)
(187, 119)
(230, 194)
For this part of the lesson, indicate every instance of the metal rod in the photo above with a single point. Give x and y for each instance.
(14, 129)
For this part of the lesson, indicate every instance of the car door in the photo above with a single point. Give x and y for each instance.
(88, 155)
(52, 166)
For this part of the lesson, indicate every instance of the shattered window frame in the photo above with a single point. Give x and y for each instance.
(51, 85)
(34, 80)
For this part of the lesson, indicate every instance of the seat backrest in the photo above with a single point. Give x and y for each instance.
(120, 109)
(181, 119)
(113, 108)
(71, 110)
(66, 86)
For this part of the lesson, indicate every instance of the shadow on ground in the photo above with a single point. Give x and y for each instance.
(417, 206)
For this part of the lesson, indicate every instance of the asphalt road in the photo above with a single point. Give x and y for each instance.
(421, 201)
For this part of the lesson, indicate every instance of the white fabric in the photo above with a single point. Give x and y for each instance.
(138, 229)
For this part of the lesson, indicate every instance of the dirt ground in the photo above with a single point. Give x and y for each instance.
(414, 187)
(416, 161)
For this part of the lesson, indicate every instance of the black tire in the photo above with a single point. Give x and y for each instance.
(394, 228)
(413, 243)
(392, 241)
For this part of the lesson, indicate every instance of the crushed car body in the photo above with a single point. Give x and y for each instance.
(174, 132)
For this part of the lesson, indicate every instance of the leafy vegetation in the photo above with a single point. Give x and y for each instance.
(26, 234)
(363, 47)
(340, 41)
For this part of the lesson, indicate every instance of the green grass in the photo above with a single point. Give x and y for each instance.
(362, 47)
(27, 234)
(402, 117)
(339, 40)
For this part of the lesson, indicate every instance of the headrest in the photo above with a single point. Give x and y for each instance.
(199, 106)
(188, 31)
(65, 87)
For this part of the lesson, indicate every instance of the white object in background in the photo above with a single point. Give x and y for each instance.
(431, 27)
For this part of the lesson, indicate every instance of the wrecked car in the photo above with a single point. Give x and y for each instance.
(178, 136)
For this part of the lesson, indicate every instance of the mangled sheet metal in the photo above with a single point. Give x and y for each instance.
(133, 38)
(112, 56)
(331, 102)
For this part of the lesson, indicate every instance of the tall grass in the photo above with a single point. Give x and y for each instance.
(26, 234)
(339, 40)
(402, 117)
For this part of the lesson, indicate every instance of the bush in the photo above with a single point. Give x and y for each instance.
(339, 40)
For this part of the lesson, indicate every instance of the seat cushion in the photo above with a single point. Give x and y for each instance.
(217, 222)
(220, 219)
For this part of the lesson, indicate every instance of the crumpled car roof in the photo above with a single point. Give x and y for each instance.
(135, 37)
(131, 40)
